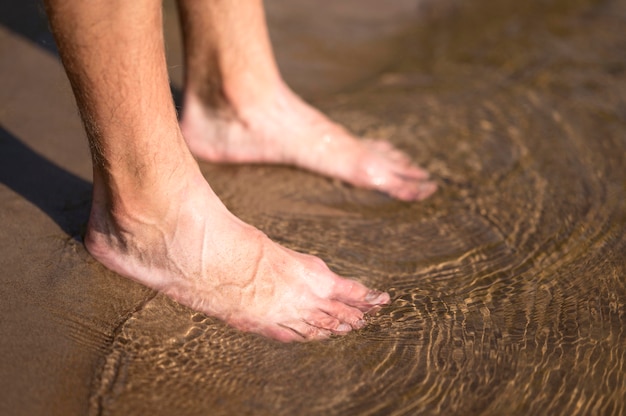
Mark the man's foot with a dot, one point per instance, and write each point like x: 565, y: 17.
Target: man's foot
x: 183, y: 242
x: 286, y: 130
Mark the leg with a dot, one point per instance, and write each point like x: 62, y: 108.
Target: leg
x: 238, y: 109
x: 154, y: 217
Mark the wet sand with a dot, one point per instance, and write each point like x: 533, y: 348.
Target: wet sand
x: 508, y: 285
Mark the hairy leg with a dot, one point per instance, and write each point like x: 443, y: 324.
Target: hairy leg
x: 238, y: 109
x: 154, y: 218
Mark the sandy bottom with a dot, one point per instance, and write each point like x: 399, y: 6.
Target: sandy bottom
x: 508, y: 286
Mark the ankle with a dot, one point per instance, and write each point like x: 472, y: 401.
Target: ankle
x: 235, y: 97
x: 254, y: 93
x: 145, y: 199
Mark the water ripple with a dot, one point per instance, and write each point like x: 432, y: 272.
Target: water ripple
x: 508, y: 288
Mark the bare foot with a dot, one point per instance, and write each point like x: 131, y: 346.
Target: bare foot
x: 286, y: 130
x: 184, y: 242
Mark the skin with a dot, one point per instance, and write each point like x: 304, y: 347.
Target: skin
x: 155, y: 219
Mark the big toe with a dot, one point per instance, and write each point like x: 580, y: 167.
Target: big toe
x: 357, y: 295
x: 411, y: 190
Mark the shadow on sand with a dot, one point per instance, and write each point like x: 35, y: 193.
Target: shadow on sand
x: 60, y: 194
x: 63, y: 196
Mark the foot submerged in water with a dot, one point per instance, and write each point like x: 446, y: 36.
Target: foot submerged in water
x: 286, y: 130
x: 183, y: 242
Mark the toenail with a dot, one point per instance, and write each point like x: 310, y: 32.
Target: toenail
x: 373, y: 295
x: 373, y: 309
x: 343, y: 328
x: 359, y: 324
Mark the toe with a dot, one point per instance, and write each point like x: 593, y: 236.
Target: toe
x: 409, y: 185
x: 410, y: 171
x: 306, y: 332
x: 381, y: 146
x: 323, y: 320
x: 427, y: 188
x: 281, y: 334
x: 344, y: 315
x: 353, y: 293
x: 347, y: 290
x: 411, y: 190
x: 396, y: 160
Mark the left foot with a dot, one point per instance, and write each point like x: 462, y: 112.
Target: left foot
x: 176, y: 236
x: 286, y: 130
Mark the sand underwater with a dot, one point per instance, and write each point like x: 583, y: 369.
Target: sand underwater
x: 508, y: 286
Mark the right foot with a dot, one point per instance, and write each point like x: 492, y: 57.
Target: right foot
x: 283, y: 129
x: 190, y: 247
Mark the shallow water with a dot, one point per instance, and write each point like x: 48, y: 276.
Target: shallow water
x: 508, y: 286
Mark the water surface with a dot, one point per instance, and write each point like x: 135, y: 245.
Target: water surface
x: 508, y: 285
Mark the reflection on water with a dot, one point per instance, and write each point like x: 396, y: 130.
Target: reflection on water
x: 508, y: 285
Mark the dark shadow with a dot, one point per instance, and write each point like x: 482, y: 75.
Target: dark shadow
x: 63, y: 196
x: 28, y: 19
x: 60, y: 194
x: 177, y: 96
